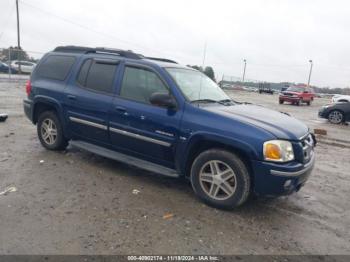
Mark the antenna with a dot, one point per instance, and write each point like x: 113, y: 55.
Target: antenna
x: 204, y: 55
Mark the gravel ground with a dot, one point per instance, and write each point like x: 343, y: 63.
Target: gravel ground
x: 78, y: 203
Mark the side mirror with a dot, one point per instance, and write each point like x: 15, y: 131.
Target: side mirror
x: 163, y: 100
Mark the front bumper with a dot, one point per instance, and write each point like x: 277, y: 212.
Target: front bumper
x: 289, y: 98
x: 322, y: 113
x: 273, y: 179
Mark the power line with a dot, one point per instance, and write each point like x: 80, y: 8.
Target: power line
x: 88, y: 28
x: 284, y: 66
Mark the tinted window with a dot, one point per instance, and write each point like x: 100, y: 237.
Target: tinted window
x: 81, y: 79
x: 139, y: 84
x: 56, y: 67
x: 100, y: 76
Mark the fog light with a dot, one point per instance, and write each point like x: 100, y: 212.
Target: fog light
x: 288, y: 183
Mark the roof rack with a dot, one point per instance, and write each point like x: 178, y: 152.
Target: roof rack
x: 103, y: 50
x: 161, y: 59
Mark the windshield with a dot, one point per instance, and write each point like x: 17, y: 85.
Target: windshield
x: 196, y: 85
x: 295, y: 89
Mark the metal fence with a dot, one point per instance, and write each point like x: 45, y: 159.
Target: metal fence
x: 235, y: 79
x: 15, y: 72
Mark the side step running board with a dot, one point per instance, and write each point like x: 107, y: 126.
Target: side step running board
x: 133, y: 161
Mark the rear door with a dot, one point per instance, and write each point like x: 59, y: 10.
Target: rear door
x: 136, y: 126
x: 88, y: 99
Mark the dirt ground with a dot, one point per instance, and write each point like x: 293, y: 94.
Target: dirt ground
x: 78, y: 203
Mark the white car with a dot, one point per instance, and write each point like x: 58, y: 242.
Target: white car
x: 340, y: 98
x: 26, y: 66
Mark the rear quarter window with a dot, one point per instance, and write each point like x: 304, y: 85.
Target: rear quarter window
x: 55, y: 67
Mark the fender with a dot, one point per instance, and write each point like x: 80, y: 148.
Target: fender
x: 41, y: 99
x: 185, y: 147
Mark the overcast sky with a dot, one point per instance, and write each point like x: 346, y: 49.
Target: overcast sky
x: 277, y: 37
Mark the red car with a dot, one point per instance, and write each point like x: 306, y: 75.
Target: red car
x: 297, y: 95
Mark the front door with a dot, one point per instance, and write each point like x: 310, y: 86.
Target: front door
x: 136, y: 126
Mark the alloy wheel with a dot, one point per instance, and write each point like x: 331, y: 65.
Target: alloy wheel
x: 335, y: 117
x: 217, y: 180
x: 49, y: 131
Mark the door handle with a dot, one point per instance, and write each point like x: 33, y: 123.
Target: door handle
x: 71, y: 97
x: 121, y: 110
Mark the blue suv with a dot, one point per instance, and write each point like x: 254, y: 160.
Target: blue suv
x: 166, y: 118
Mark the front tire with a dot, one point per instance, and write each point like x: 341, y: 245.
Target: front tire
x: 220, y: 179
x: 50, y: 132
x: 336, y: 117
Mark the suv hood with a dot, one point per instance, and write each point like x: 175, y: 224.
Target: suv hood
x: 279, y: 124
x: 290, y: 93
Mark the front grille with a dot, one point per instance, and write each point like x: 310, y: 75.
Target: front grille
x: 308, y: 148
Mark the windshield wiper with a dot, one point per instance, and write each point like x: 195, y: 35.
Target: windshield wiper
x: 225, y: 101
x: 204, y: 101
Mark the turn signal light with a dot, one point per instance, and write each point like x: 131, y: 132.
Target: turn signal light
x: 272, y: 152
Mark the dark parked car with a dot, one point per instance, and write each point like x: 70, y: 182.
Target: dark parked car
x: 265, y: 88
x: 167, y: 118
x: 336, y: 113
x: 4, y: 68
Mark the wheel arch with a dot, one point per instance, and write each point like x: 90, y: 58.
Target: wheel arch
x: 42, y: 104
x: 337, y: 109
x: 201, y: 143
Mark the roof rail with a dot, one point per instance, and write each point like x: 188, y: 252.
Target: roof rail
x: 161, y: 59
x: 103, y: 50
x: 72, y: 49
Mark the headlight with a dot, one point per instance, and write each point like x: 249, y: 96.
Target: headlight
x: 278, y: 151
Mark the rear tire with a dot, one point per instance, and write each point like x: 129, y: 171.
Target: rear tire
x: 220, y: 179
x: 50, y: 132
x: 281, y: 101
x: 297, y: 103
x: 308, y: 103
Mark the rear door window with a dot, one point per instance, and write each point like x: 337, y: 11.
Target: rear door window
x: 97, y: 75
x: 56, y: 67
x: 83, y: 72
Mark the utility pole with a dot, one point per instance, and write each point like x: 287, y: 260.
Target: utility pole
x: 311, y: 64
x: 10, y: 69
x: 18, y: 40
x: 222, y: 80
x: 245, y: 65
